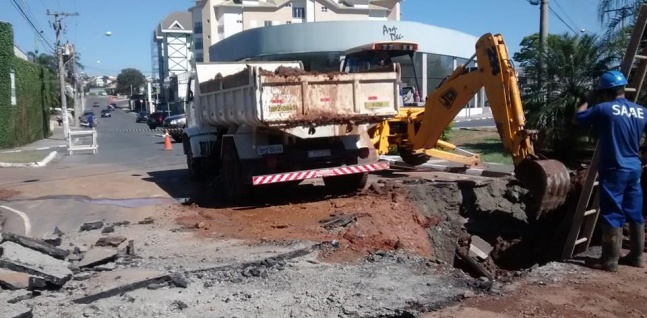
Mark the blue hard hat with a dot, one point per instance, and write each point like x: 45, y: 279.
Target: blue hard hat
x: 611, y: 79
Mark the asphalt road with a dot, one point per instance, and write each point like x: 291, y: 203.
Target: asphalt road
x: 124, y: 142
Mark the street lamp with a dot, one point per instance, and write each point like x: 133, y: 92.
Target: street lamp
x: 66, y: 123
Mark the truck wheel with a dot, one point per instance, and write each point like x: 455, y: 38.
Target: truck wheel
x: 235, y: 188
x: 346, y: 183
x: 194, y: 165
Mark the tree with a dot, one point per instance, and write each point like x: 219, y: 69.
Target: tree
x: 576, y: 62
x: 128, y: 78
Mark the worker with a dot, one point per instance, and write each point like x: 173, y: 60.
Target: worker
x: 620, y: 124
x: 91, y: 120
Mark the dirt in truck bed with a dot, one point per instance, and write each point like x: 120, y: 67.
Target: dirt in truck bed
x: 283, y: 71
x: 230, y: 81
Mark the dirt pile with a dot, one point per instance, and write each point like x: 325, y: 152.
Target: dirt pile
x: 286, y: 72
x: 230, y: 81
x: 361, y: 224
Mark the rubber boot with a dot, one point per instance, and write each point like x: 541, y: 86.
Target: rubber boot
x: 636, y: 246
x: 611, y: 246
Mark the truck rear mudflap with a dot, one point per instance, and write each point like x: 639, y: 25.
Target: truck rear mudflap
x: 318, y: 173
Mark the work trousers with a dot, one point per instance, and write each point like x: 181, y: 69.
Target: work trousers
x: 621, y: 197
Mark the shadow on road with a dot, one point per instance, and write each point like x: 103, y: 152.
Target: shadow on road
x: 209, y: 194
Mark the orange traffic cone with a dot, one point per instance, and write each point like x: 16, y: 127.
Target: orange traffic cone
x: 167, y: 141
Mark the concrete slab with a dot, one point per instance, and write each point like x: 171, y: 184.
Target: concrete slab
x: 19, y: 258
x: 97, y: 256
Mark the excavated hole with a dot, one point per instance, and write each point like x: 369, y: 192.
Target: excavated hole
x: 496, y: 211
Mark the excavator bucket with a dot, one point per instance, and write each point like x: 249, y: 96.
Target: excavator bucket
x: 547, y: 180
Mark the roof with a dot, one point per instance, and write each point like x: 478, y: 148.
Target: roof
x: 279, y: 39
x: 175, y: 21
x: 274, y: 4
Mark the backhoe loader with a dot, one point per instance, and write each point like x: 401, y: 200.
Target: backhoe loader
x: 416, y: 131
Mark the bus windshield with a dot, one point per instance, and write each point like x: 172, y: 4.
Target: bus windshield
x: 376, y: 55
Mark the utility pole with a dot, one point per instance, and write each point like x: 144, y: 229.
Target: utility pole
x: 77, y: 99
x: 58, y: 16
x: 543, y: 43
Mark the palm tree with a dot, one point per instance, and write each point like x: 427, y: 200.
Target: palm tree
x: 576, y: 63
x: 625, y: 12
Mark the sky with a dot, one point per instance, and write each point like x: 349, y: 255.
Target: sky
x: 132, y: 22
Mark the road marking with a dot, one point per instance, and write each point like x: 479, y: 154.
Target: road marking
x: 24, y: 217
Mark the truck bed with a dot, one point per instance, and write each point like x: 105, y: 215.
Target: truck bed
x: 282, y: 95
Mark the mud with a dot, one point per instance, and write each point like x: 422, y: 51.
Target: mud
x: 381, y: 223
x: 7, y: 193
x: 323, y: 118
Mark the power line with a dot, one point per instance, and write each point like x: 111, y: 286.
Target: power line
x: 31, y: 23
x: 560, y: 19
x: 566, y: 14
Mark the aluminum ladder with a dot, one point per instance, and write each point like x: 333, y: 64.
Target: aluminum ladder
x: 634, y: 66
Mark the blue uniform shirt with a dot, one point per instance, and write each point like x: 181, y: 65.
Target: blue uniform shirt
x: 620, y: 124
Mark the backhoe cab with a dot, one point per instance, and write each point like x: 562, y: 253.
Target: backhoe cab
x: 416, y: 131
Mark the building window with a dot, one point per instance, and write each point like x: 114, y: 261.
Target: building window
x: 289, y: 5
x: 197, y: 28
x: 239, y: 21
x: 298, y: 13
x: 199, y: 45
x: 288, y: 22
x: 268, y: 23
x: 199, y: 57
x: 324, y: 9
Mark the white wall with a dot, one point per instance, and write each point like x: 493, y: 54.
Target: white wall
x: 230, y: 19
x: 310, y: 10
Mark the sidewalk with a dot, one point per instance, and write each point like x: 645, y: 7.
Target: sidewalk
x: 54, y: 142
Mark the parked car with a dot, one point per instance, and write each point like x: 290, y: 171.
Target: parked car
x: 156, y: 119
x: 95, y: 104
x: 141, y: 116
x: 175, y: 125
x: 106, y: 113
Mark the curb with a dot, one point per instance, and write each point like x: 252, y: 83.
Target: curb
x: 470, y: 119
x: 41, y: 163
x: 29, y: 149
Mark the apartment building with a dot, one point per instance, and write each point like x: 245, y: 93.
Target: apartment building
x: 171, y: 45
x: 215, y: 20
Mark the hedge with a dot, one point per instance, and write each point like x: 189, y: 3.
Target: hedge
x: 28, y: 120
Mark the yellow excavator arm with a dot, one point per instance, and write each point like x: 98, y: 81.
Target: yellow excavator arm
x: 496, y: 75
x: 548, y: 180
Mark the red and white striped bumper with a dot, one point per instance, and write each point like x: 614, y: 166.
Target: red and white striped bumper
x: 317, y: 173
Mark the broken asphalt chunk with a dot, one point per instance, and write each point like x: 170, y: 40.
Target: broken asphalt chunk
x: 21, y: 259
x: 36, y: 245
x: 178, y: 280
x: 97, y: 256
x: 22, y: 295
x: 148, y: 220
x: 112, y: 241
x: 137, y: 279
x: 338, y: 221
x: 54, y: 237
x: 89, y: 226
x: 16, y: 311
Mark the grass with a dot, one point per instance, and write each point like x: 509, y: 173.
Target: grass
x: 485, y: 142
x: 25, y: 156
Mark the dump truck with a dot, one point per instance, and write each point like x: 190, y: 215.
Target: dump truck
x: 257, y: 124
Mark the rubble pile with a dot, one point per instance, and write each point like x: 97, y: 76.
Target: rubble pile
x: 29, y: 266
